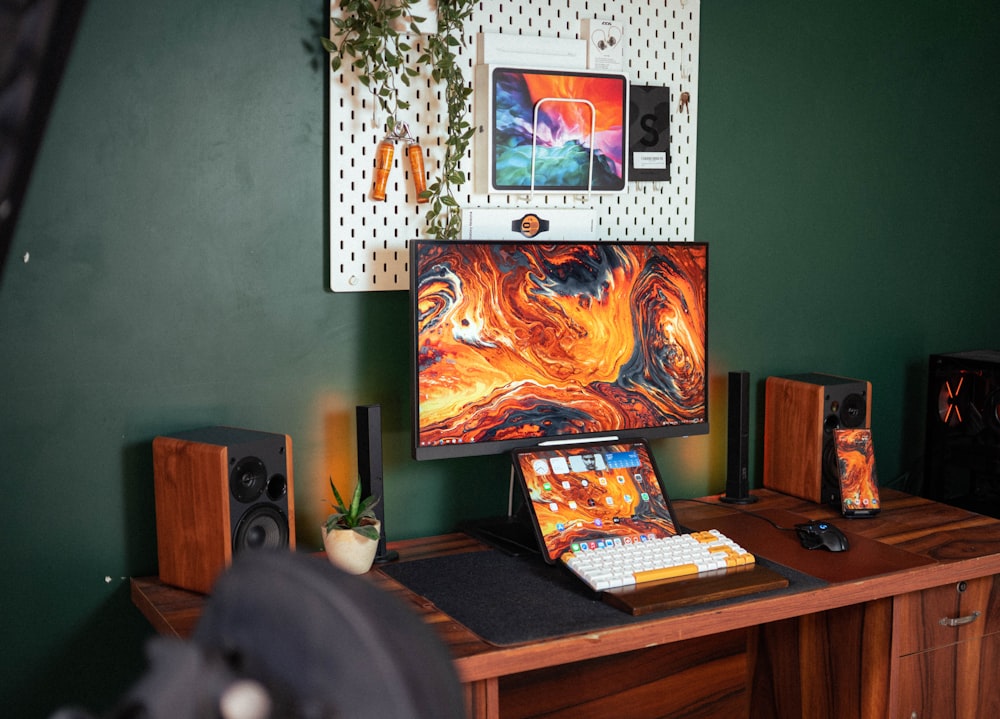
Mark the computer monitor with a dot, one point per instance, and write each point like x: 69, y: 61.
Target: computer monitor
x: 519, y: 343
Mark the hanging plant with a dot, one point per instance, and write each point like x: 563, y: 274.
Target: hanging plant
x: 366, y: 37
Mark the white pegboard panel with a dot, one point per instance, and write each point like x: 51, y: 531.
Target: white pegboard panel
x: 369, y: 239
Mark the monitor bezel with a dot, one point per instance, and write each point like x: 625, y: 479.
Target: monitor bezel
x: 496, y: 447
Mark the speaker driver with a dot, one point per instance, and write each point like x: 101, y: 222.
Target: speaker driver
x: 247, y: 480
x: 277, y: 487
x: 852, y: 411
x: 261, y: 527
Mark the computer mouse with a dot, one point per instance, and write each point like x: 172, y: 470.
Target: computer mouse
x: 821, y: 535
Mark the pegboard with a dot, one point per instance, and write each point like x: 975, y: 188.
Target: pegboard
x: 369, y: 239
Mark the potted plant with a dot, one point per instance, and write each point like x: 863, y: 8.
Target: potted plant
x: 351, y: 532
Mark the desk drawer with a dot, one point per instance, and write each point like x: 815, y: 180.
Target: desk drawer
x: 952, y: 682
x: 697, y: 678
x: 945, y: 615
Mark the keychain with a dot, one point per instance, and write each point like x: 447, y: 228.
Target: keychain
x: 383, y: 162
x: 416, y: 155
x: 685, y: 101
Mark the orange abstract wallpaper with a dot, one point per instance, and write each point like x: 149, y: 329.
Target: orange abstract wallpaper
x: 582, y: 496
x: 856, y: 465
x: 518, y: 340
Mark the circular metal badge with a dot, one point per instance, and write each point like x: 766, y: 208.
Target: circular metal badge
x: 530, y: 225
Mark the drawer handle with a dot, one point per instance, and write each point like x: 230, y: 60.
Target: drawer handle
x: 946, y: 622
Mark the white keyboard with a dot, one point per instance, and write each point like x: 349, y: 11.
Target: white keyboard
x: 612, y: 564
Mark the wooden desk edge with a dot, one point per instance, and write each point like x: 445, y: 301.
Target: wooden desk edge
x: 174, y: 612
x: 499, y: 661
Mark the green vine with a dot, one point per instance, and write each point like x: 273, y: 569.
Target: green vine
x: 366, y: 37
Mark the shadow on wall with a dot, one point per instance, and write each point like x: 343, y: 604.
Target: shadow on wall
x: 139, y: 507
x: 914, y: 414
x: 92, y: 666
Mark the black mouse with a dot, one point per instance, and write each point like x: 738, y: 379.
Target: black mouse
x: 822, y: 535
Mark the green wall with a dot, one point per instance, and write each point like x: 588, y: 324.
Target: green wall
x: 175, y: 230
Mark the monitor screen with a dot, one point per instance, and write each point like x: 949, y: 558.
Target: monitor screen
x: 520, y: 343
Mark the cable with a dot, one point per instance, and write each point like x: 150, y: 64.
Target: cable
x: 741, y: 511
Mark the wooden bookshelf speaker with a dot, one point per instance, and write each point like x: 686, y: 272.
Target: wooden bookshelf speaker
x: 800, y: 414
x: 219, y: 491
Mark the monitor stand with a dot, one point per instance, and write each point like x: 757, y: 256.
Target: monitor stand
x: 512, y: 534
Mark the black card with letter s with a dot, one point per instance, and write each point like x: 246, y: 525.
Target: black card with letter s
x: 649, y: 133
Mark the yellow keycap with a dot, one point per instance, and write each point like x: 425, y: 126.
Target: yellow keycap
x: 651, y: 575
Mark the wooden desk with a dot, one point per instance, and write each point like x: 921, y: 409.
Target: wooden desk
x: 860, y: 646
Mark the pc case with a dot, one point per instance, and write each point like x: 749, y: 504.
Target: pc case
x: 962, y: 439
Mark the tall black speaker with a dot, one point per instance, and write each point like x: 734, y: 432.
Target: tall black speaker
x: 219, y: 491
x: 738, y: 441
x: 370, y: 469
x: 962, y: 455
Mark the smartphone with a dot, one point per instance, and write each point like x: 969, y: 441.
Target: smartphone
x: 856, y: 472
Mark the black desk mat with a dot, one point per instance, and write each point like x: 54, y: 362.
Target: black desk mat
x: 508, y: 600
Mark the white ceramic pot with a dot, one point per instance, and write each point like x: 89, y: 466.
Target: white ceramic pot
x: 349, y: 550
